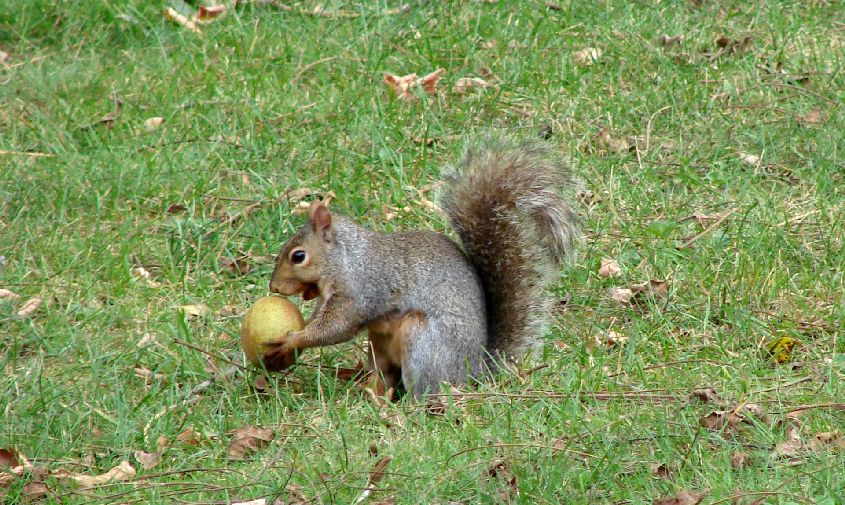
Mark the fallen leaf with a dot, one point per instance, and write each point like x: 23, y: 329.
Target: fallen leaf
x: 261, y: 385
x: 295, y: 496
x: 586, y: 56
x: 815, y: 116
x: 172, y: 15
x: 148, y: 375
x: 707, y: 395
x: 3, y: 56
x: 621, y: 295
x: 230, y: 310
x: 609, y: 268
x: 9, y: 458
x: 752, y: 160
x: 660, y: 470
x: 780, y: 350
x: 189, y: 436
x: 29, y: 306
x: 467, y: 84
x: 235, y: 266
x: 792, y: 447
x: 403, y: 86
x: 121, y: 472
x: 5, y: 294
x: 499, y: 469
x: 830, y: 439
x: 682, y: 497
x: 147, y: 340
x: 195, y: 310
x: 175, y: 208
x: 721, y: 420
x: 740, y: 460
x: 247, y: 440
x: 143, y: 274
x: 209, y: 13
x: 34, y: 490
x: 610, y: 339
x: 610, y: 143
x: 376, y: 474
x: 147, y: 460
x: 668, y: 41
x: 161, y: 443
x: 153, y: 123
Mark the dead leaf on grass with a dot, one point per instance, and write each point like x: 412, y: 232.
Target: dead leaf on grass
x: 143, y: 274
x: 586, y: 56
x: 467, y: 84
x: 622, y: 296
x: 740, y: 460
x: 206, y: 14
x: 35, y: 490
x: 726, y: 45
x: 153, y: 123
x: 660, y: 470
x: 6, y: 294
x: 498, y: 469
x: 682, y: 497
x: 3, y: 56
x: 147, y: 340
x: 668, y: 41
x: 654, y: 287
x: 609, y: 268
x: 9, y: 458
x: 610, y: 338
x: 235, y: 266
x: 376, y: 475
x: 792, y: 447
x: 148, y: 375
x: 248, y: 440
x: 813, y: 117
x: 707, y: 395
x: 729, y: 420
x: 189, y: 436
x: 261, y: 385
x: 752, y: 160
x: 609, y: 143
x: 195, y: 310
x: 827, y: 439
x: 29, y: 306
x: 147, y: 460
x: 403, y: 86
x: 172, y: 15
x: 121, y: 472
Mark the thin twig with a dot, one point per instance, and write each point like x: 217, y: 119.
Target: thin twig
x: 707, y: 230
x: 31, y: 154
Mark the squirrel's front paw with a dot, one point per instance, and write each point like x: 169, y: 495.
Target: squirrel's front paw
x: 281, y: 354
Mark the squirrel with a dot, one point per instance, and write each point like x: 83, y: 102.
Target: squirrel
x: 438, y: 311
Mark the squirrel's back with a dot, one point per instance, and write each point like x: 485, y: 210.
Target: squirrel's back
x: 506, y: 203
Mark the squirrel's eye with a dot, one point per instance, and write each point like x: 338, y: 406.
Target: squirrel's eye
x: 297, y: 256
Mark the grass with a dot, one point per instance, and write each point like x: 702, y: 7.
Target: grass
x: 267, y: 100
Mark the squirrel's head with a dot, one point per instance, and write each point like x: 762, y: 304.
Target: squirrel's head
x: 302, y: 260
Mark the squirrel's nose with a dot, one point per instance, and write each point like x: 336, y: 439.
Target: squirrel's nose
x: 275, y: 287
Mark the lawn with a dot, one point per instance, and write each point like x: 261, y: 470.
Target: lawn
x: 149, y: 174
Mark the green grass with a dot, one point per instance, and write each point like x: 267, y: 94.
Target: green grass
x: 267, y: 100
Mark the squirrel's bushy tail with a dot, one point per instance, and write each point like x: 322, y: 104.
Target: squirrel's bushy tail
x: 505, y: 203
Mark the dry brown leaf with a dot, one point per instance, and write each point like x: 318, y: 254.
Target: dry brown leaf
x: 609, y: 268
x: 707, y: 395
x: 143, y: 274
x: 148, y: 375
x: 6, y: 294
x: 3, y: 56
x: 831, y: 439
x: 721, y: 419
x: 660, y: 470
x: 682, y: 497
x: 667, y: 41
x: 740, y: 460
x: 295, y: 496
x: 813, y: 117
x: 153, y: 123
x: 792, y: 447
x: 248, y: 440
x: 403, y: 86
x: 207, y: 14
x: 656, y: 287
x: 175, y: 208
x: 121, y: 472
x: 752, y: 160
x: 147, y: 460
x: 610, y: 339
x: 162, y: 442
x: 147, y: 340
x: 499, y: 469
x: 467, y: 84
x: 234, y: 266
x: 607, y: 142
x: 230, y: 310
x: 621, y: 295
x: 34, y: 490
x: 195, y: 310
x: 172, y: 15
x: 261, y: 385
x: 586, y: 56
x: 29, y: 306
x: 189, y: 436
x: 9, y: 458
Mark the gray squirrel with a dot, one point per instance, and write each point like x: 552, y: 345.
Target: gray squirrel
x: 437, y: 311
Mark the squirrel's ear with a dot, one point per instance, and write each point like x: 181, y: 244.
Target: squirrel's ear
x: 321, y: 219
